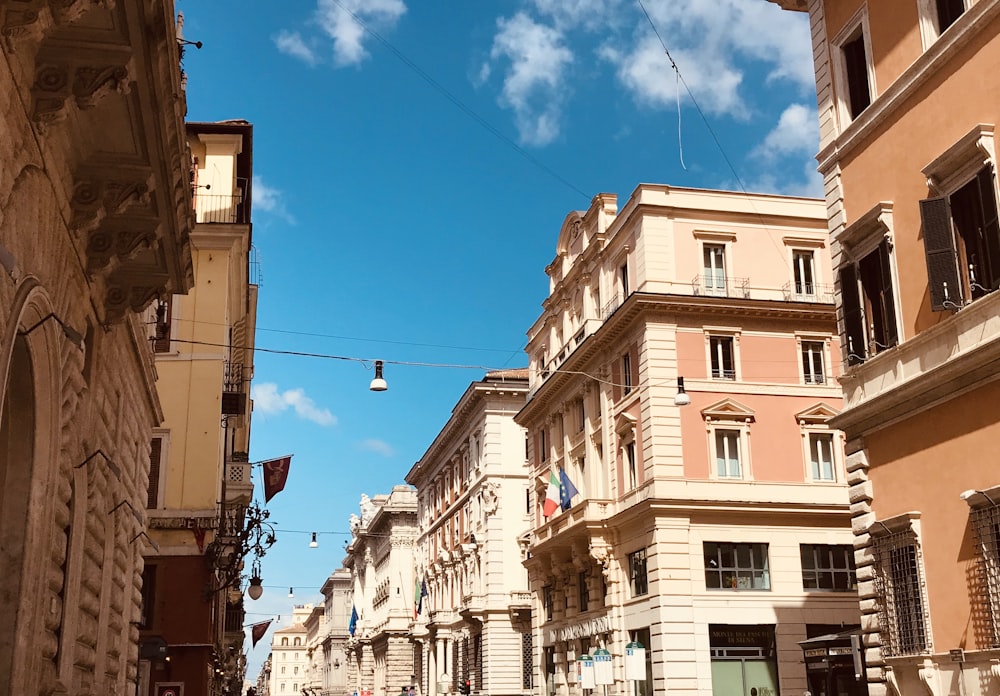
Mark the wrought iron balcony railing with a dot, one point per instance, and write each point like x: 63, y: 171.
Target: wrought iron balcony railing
x: 211, y: 208
x: 807, y: 292
x: 720, y: 286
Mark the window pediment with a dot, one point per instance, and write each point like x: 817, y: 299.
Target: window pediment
x: 961, y: 161
x: 728, y: 409
x: 817, y: 414
x: 624, y: 423
x: 867, y: 232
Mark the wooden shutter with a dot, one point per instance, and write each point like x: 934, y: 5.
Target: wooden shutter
x: 616, y: 379
x: 153, y: 493
x: 991, y: 229
x: 633, y: 353
x: 853, y: 328
x: 856, y: 63
x: 943, y: 280
x: 890, y: 335
x: 161, y: 341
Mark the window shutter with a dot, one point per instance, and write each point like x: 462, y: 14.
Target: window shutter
x: 991, y: 228
x: 853, y: 328
x: 888, y: 301
x: 633, y: 354
x: 161, y: 341
x: 153, y: 493
x: 942, y: 258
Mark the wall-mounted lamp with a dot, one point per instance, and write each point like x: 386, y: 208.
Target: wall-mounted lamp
x: 378, y: 384
x: 681, y: 398
x: 185, y: 42
x: 74, y: 336
x: 313, y: 544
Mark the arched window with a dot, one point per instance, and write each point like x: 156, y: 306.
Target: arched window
x: 298, y: 641
x: 284, y: 641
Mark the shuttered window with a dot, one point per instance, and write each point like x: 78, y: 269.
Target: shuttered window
x: 948, y: 11
x: 153, y: 493
x: 856, y: 64
x: 868, y: 305
x: 161, y: 339
x: 962, y: 243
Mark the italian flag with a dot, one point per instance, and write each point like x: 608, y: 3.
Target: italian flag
x: 551, y: 503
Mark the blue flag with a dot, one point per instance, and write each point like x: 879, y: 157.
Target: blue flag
x: 566, y: 490
x: 423, y: 593
x: 351, y: 627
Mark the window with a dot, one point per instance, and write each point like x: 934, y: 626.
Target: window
x: 802, y: 270
x: 813, y: 362
x: 984, y: 517
x: 284, y: 641
x: 297, y: 641
x: 548, y: 602
x: 641, y: 636
x: 714, y: 280
x: 821, y: 456
x: 869, y: 310
x: 544, y: 445
x: 962, y: 243
x: 581, y: 415
x: 856, y: 69
x: 727, y: 454
x: 720, y: 350
x: 828, y: 568
x: 948, y: 11
x: 295, y: 670
x: 282, y: 669
x: 633, y: 475
x: 899, y: 582
x: 155, y: 459
x: 638, y: 581
x: 626, y: 374
x: 736, y: 566
x: 148, y: 597
x: 623, y: 279
x: 584, y: 599
x: 161, y: 325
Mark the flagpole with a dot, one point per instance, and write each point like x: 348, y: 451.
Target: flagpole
x: 271, y: 459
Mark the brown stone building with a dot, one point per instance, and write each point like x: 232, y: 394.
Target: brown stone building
x: 95, y: 216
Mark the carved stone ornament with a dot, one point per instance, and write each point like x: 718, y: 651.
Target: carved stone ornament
x: 891, y: 681
x: 928, y: 674
x: 101, y: 194
x: 133, y: 292
x: 57, y: 82
x: 491, y: 498
x: 995, y: 669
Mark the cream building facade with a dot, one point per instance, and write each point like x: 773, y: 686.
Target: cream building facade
x: 315, y: 626
x: 710, y: 526
x: 908, y: 105
x: 473, y: 492
x: 379, y: 650
x: 337, y: 594
x: 289, y: 654
x: 94, y: 226
x: 203, y: 341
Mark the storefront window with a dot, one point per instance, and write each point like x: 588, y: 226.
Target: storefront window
x: 743, y: 659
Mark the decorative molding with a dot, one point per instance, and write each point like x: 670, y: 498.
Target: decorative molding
x: 928, y: 674
x: 56, y: 82
x: 891, y: 681
x: 960, y: 162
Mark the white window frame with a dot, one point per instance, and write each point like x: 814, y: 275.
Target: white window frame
x: 841, y: 88
x: 814, y: 421
x: 800, y: 340
x: 625, y: 427
x: 729, y: 415
x: 809, y: 290
x: 730, y: 437
x: 930, y: 31
x: 811, y: 440
x: 716, y: 238
x: 711, y: 332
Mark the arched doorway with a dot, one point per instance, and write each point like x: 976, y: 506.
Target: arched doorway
x: 17, y: 442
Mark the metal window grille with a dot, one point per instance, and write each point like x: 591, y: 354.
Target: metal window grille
x: 527, y: 661
x: 986, y: 527
x: 899, y: 585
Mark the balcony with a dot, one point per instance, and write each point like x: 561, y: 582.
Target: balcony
x: 807, y: 292
x: 610, y: 307
x: 219, y: 209
x: 720, y: 286
x: 239, y: 484
x: 234, y: 618
x: 234, y: 398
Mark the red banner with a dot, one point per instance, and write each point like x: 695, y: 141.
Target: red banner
x: 258, y: 630
x: 275, y: 475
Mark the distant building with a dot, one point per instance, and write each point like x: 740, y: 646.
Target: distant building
x: 909, y: 99
x: 337, y: 594
x: 379, y: 650
x: 709, y: 525
x: 315, y: 625
x: 95, y: 218
x: 289, y: 654
x: 470, y: 598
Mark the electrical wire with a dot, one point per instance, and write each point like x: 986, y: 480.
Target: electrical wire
x: 441, y: 89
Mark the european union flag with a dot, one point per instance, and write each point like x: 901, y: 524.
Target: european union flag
x: 351, y: 627
x: 566, y: 490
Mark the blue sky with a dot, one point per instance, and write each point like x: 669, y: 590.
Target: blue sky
x: 411, y: 177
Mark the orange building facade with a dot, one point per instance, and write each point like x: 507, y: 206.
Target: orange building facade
x: 909, y: 94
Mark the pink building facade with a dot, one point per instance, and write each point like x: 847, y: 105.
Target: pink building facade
x: 715, y: 533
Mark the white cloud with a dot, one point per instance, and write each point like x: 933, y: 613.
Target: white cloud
x: 267, y: 399
x: 348, y: 36
x: 787, y: 180
x: 292, y: 43
x: 378, y: 447
x: 589, y: 14
x: 712, y: 42
x: 534, y: 82
x: 797, y: 132
x: 269, y: 200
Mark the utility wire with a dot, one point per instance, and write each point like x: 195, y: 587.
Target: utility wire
x: 441, y: 89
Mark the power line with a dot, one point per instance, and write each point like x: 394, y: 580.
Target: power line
x: 441, y: 89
